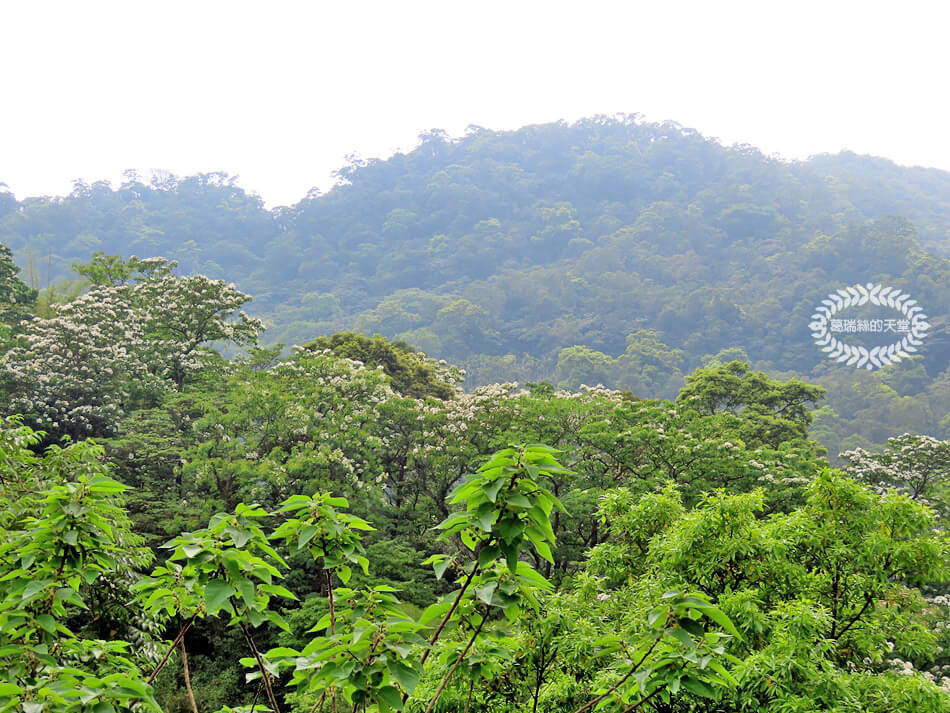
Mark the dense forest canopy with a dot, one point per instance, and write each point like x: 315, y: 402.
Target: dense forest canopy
x: 609, y: 251
x: 347, y: 528
x: 614, y: 493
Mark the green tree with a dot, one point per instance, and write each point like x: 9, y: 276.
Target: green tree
x: 121, y: 345
x: 16, y: 298
x: 775, y: 411
x: 823, y: 596
x: 411, y: 374
x: 916, y: 464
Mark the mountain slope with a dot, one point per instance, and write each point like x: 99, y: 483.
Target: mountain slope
x: 646, y: 246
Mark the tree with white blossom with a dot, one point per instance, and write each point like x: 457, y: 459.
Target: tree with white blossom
x: 183, y: 315
x: 916, y: 464
x: 919, y: 466
x: 121, y: 344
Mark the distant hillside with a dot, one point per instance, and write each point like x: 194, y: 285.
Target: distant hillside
x: 608, y: 250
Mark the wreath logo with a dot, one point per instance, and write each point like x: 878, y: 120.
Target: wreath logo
x: 915, y: 322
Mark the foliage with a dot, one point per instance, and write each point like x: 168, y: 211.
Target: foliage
x: 685, y: 555
x: 775, y: 412
x: 64, y: 535
x: 15, y: 297
x: 360, y: 529
x: 410, y: 373
x: 823, y: 596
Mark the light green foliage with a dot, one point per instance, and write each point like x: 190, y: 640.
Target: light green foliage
x: 364, y: 651
x: 367, y: 658
x: 633, y: 522
x: 371, y: 655
x: 228, y: 567
x: 326, y: 533
x: 506, y: 506
x: 580, y: 365
x: 823, y: 596
x: 678, y: 653
x: 64, y: 533
x: 376, y: 657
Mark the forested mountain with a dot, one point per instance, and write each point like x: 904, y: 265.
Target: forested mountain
x: 610, y: 250
x: 194, y: 521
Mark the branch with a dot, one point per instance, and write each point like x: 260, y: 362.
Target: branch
x: 867, y: 602
x: 451, y: 611
x: 184, y: 663
x: 332, y: 624
x: 330, y: 599
x: 319, y: 703
x: 643, y: 700
x: 260, y: 665
x: 622, y: 680
x: 181, y: 635
x: 257, y: 694
x: 458, y: 663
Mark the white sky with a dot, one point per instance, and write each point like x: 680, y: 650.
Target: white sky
x: 280, y: 92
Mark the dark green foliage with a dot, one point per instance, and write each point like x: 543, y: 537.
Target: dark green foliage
x: 409, y: 373
x: 16, y: 298
x: 774, y: 412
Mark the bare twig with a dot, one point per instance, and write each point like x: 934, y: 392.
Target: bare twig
x: 257, y: 694
x: 332, y: 625
x: 451, y: 611
x: 184, y: 665
x: 319, y: 703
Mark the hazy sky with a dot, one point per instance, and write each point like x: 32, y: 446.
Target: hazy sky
x: 280, y: 92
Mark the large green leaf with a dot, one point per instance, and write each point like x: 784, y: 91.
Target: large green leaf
x: 697, y: 687
x: 217, y: 593
x: 390, y: 696
x: 404, y: 675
